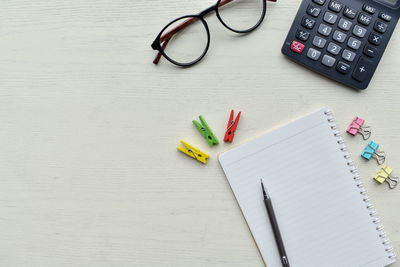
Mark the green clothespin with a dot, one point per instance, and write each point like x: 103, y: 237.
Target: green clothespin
x: 205, y: 131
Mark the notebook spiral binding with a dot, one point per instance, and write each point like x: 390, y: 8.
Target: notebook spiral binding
x: 363, y: 191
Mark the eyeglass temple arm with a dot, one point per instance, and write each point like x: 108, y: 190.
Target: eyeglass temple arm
x: 167, y: 36
x: 157, y: 59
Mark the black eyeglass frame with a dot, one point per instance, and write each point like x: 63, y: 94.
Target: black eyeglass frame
x: 156, y: 45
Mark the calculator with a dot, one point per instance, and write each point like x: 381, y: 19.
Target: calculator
x: 343, y: 40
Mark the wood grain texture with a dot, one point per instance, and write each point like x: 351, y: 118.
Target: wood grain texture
x: 90, y: 174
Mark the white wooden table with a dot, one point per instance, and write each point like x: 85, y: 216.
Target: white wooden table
x: 90, y: 174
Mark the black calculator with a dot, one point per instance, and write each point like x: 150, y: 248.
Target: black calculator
x: 343, y: 40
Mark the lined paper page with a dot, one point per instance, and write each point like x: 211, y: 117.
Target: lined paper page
x: 320, y: 211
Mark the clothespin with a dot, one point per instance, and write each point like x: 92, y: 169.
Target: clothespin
x: 384, y: 175
x: 357, y: 126
x: 231, y: 128
x: 205, y: 131
x: 193, y: 152
x: 371, y: 151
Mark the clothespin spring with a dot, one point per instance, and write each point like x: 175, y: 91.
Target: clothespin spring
x: 232, y: 123
x: 194, y: 154
x: 205, y: 133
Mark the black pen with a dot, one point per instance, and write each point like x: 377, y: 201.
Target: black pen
x: 275, y: 228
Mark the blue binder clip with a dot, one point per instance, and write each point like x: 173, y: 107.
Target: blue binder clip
x: 371, y: 151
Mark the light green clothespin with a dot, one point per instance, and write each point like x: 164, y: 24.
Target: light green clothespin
x: 205, y: 131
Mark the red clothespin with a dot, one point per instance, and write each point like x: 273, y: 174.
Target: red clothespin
x: 231, y: 128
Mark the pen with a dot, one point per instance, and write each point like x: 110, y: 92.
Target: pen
x: 275, y: 228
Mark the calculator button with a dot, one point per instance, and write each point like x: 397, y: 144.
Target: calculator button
x: 328, y: 61
x: 319, y: 42
x: 324, y: 30
x: 319, y: 2
x: 350, y: 12
x: 348, y: 55
x: 343, y: 67
x: 313, y: 54
x: 330, y: 17
x: 339, y: 36
x: 354, y: 43
x: 362, y: 69
x: 367, y: 8
x: 302, y: 35
x: 312, y: 10
x: 380, y: 26
x: 344, y: 24
x: 375, y: 39
x: 334, y: 49
x: 370, y: 51
x: 359, y: 31
x: 385, y: 16
x: 308, y: 23
x: 335, y: 6
x: 364, y: 19
x: 297, y: 47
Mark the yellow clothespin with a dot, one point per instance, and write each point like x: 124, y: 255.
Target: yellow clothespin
x: 194, y: 152
x: 384, y: 175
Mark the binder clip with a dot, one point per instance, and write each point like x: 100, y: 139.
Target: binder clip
x: 231, y: 128
x: 193, y: 152
x: 371, y: 151
x: 357, y: 127
x: 205, y: 131
x: 384, y: 175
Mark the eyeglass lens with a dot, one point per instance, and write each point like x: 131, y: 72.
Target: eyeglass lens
x: 187, y: 44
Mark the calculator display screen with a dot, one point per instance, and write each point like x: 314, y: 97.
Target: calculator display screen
x: 390, y: 2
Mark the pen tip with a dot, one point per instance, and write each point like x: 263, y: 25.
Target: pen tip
x: 265, y: 192
x: 263, y: 189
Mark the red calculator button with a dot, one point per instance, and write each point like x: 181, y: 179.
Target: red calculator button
x: 297, y: 47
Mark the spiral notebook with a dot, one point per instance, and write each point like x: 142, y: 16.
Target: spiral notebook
x: 324, y: 214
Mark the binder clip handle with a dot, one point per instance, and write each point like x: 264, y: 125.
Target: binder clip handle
x: 380, y: 157
x: 365, y: 132
x: 392, y: 181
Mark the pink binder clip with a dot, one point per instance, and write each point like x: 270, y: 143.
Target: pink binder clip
x: 357, y: 127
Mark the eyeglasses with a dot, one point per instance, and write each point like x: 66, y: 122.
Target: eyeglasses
x: 185, y: 40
